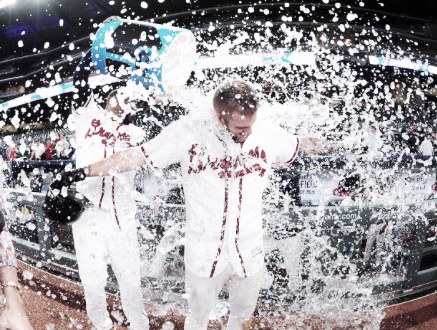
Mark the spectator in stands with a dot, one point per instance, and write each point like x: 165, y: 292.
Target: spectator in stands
x: 49, y: 149
x: 426, y: 148
x: 47, y: 178
x: 368, y: 191
x: 390, y: 183
x: 373, y: 140
x: 412, y: 141
x: 38, y: 150
x: 59, y: 138
x: 22, y: 179
x: 3, y: 150
x: 14, y: 315
x: 362, y: 193
x: 24, y: 148
x: 11, y: 153
x: 62, y: 147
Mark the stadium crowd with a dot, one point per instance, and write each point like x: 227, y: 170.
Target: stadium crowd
x: 35, y: 147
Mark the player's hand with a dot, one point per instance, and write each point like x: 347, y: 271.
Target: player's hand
x: 156, y: 204
x: 65, y: 179
x: 111, y: 18
x: 163, y: 99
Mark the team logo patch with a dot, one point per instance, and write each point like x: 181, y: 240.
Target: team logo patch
x: 245, y: 163
x: 108, y: 138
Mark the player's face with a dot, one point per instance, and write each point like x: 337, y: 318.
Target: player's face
x: 121, y: 106
x: 239, y: 125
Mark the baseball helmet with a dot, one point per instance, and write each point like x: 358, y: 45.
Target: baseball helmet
x: 65, y: 209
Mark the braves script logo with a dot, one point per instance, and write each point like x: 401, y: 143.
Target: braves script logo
x: 227, y: 167
x: 108, y: 137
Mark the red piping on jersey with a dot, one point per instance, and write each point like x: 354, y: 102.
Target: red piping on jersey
x: 103, y: 185
x: 113, y: 191
x: 113, y: 201
x: 147, y: 157
x: 88, y: 102
x: 222, y: 236
x: 237, y: 230
x: 295, y: 153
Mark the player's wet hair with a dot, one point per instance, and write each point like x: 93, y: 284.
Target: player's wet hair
x: 236, y: 94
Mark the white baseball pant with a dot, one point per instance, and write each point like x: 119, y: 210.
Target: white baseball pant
x: 98, y: 241
x: 202, y: 294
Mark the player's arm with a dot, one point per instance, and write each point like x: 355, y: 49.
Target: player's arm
x: 310, y: 146
x: 119, y: 162
x: 164, y: 148
x: 111, y: 18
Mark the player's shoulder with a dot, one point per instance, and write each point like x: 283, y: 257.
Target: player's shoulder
x: 266, y: 126
x: 186, y: 123
x: 91, y: 111
x: 272, y: 136
x: 131, y: 129
x: 270, y: 129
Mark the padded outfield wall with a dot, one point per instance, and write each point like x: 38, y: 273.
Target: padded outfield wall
x: 386, y: 245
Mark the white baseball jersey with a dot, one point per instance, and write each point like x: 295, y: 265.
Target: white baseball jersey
x: 223, y: 183
x: 98, y: 136
x: 107, y: 233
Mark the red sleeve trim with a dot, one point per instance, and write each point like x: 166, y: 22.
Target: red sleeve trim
x: 295, y: 152
x: 147, y: 157
x: 144, y: 152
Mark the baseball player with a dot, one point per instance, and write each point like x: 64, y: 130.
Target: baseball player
x: 107, y: 233
x: 225, y: 161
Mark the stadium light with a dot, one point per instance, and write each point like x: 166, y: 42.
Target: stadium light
x: 4, y: 3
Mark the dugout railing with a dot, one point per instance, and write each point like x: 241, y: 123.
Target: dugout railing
x: 344, y: 229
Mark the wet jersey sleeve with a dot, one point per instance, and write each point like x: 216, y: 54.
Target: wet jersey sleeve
x: 7, y: 252
x: 285, y: 146
x: 167, y: 147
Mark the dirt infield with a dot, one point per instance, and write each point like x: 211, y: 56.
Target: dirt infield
x: 54, y: 303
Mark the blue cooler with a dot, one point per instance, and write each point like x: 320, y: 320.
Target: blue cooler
x: 150, y: 54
